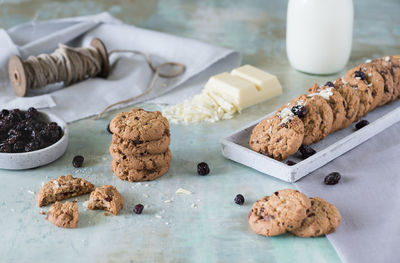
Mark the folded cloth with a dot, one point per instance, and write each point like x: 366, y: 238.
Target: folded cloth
x: 367, y: 197
x: 130, y: 74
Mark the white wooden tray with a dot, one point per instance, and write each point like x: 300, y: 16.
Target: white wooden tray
x: 236, y: 145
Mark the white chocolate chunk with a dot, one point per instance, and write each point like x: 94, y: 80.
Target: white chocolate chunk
x: 235, y: 90
x: 226, y: 94
x: 267, y: 85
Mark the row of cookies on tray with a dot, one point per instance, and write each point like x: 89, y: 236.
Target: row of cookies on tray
x: 310, y: 117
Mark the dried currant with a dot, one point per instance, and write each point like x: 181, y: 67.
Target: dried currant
x: 332, y: 178
x: 299, y: 110
x: 77, y: 161
x: 361, y: 124
x: 203, y: 169
x: 239, y: 199
x: 306, y: 151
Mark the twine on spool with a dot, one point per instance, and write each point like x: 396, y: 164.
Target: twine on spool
x: 70, y: 65
x: 66, y: 64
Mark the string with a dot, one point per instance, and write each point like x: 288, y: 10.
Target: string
x: 156, y: 72
x: 65, y: 64
x: 70, y: 65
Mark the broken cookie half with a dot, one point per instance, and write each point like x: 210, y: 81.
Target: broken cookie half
x: 106, y: 198
x: 63, y: 187
x: 63, y: 214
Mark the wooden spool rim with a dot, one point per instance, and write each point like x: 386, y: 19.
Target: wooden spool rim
x: 99, y: 45
x: 17, y: 75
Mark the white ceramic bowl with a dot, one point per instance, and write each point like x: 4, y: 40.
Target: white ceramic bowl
x: 27, y: 160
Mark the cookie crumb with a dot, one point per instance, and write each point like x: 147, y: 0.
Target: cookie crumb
x: 42, y: 212
x: 183, y: 191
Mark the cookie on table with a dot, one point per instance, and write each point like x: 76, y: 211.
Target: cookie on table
x: 352, y: 101
x: 283, y: 211
x: 335, y: 100
x: 140, y: 125
x: 318, y: 118
x: 374, y: 81
x: 141, y: 148
x: 393, y: 63
x: 145, y: 162
x: 278, y: 136
x: 106, y: 198
x: 133, y: 175
x: 322, y: 218
x: 63, y: 187
x: 63, y: 214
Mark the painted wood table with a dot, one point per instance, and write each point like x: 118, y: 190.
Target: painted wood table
x: 206, y: 226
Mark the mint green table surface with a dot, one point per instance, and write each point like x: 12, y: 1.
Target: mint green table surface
x: 206, y: 226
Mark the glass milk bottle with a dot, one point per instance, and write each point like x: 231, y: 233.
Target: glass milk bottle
x: 319, y: 35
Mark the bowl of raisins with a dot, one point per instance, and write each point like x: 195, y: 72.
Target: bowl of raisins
x: 30, y: 138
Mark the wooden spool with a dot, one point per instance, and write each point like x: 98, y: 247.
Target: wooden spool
x: 17, y: 73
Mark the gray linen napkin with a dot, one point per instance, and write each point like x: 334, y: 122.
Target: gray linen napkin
x: 368, y: 198
x: 130, y: 75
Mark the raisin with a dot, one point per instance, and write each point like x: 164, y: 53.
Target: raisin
x: 329, y: 84
x: 239, y: 199
x: 359, y: 74
x: 108, y: 129
x: 306, y: 151
x: 332, y: 178
x: 203, y: 169
x: 299, y: 110
x: 361, y: 124
x: 290, y: 162
x: 31, y: 113
x: 5, y: 148
x: 78, y: 161
x: 138, y: 209
x: 19, y: 146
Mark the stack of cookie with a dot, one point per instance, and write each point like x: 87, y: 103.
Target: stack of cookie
x: 140, y: 145
x: 325, y: 109
x: 289, y: 210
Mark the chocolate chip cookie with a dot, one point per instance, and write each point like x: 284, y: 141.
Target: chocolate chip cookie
x: 63, y: 214
x: 352, y: 101
x: 318, y: 118
x: 365, y: 95
x: 374, y: 81
x: 283, y: 211
x: 278, y: 136
x: 335, y: 100
x: 140, y: 125
x: 322, y: 219
x: 392, y: 63
x: 133, y: 175
x: 145, y: 162
x: 106, y: 198
x: 63, y: 187
x: 141, y: 148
